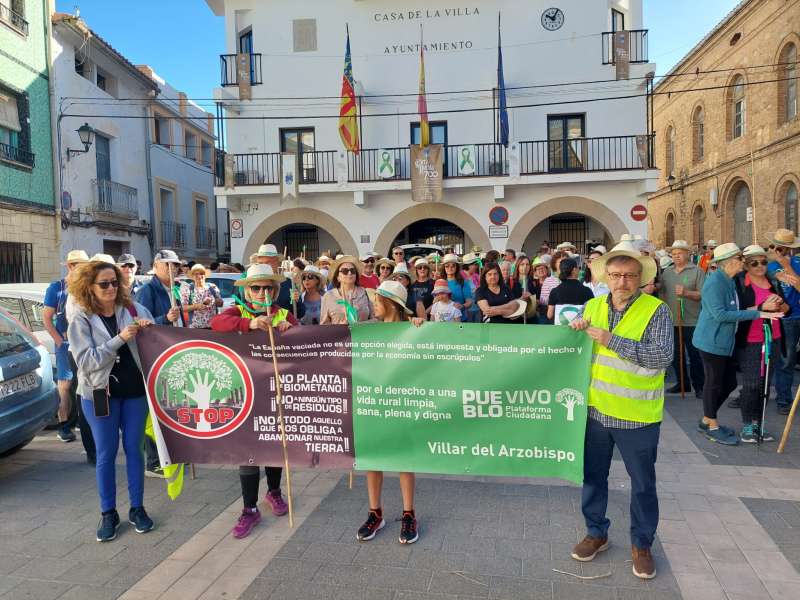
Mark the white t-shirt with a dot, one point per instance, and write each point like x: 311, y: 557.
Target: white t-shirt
x: 444, y: 311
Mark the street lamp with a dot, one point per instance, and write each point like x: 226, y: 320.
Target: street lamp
x: 86, y: 135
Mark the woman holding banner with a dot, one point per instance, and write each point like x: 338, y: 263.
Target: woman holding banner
x: 390, y: 307
x: 259, y: 311
x: 495, y: 299
x: 570, y: 291
x: 346, y: 302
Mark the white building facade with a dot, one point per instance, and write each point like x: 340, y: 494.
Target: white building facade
x: 576, y: 166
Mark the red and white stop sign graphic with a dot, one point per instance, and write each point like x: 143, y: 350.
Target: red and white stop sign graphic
x: 639, y: 212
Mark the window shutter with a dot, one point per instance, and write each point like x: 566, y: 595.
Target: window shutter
x: 9, y: 113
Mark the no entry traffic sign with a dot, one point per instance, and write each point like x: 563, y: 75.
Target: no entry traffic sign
x: 498, y: 215
x: 639, y: 212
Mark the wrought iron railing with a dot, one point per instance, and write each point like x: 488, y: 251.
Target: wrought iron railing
x: 638, y: 50
x: 173, y: 235
x: 476, y: 160
x: 13, y: 153
x: 615, y: 153
x: 229, y: 72
x: 115, y: 199
x: 11, y: 17
x: 205, y: 237
x: 384, y: 164
x: 318, y: 166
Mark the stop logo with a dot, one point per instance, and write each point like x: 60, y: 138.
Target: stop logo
x: 639, y: 212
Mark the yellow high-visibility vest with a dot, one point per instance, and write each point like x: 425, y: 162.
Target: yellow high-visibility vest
x: 278, y: 317
x: 620, y: 388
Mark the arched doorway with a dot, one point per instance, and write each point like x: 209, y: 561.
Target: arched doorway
x: 575, y: 228
x: 740, y: 208
x: 306, y: 239
x: 669, y: 230
x: 434, y: 231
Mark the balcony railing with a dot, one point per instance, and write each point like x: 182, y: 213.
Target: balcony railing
x: 115, y: 199
x: 638, y: 46
x: 205, y: 237
x: 10, y: 17
x: 229, y: 72
x: 17, y: 155
x: 173, y: 235
x: 614, y: 153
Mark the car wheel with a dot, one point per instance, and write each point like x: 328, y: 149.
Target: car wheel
x: 16, y: 448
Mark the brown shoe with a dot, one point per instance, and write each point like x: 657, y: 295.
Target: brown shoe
x: 644, y: 567
x: 589, y: 547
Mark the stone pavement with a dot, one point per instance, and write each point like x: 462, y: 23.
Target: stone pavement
x: 727, y: 531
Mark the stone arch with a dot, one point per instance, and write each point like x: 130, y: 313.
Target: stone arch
x: 731, y: 226
x: 431, y: 210
x: 282, y: 218
x: 781, y: 190
x: 566, y: 204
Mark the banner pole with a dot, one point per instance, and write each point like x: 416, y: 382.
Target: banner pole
x: 279, y: 402
x: 680, y: 351
x: 789, y: 421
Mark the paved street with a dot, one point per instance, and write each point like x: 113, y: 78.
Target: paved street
x: 728, y: 530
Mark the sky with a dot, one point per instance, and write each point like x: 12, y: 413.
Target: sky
x: 184, y: 43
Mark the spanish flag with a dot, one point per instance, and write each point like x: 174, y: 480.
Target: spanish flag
x: 348, y: 114
x: 422, y: 103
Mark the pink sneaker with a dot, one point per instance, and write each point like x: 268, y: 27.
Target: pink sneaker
x: 275, y: 500
x: 247, y: 520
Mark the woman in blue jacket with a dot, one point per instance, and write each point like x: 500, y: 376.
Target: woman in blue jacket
x: 715, y: 336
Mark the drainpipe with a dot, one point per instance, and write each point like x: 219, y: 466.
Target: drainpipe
x: 48, y: 9
x: 152, y: 211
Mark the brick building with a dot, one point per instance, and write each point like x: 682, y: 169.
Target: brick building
x: 730, y: 156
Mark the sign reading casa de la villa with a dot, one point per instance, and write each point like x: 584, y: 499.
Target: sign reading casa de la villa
x: 428, y: 13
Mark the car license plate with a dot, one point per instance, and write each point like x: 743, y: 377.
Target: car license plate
x: 23, y: 383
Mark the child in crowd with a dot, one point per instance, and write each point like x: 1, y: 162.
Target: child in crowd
x: 443, y: 308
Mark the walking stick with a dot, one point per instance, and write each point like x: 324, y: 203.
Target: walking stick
x: 788, y: 427
x: 680, y: 349
x: 281, y: 424
x: 766, y: 351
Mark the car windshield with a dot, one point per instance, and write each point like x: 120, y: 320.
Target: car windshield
x: 13, y: 339
x: 226, y: 286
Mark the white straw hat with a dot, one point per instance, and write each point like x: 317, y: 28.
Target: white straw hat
x: 624, y: 248
x: 259, y: 273
x: 396, y: 292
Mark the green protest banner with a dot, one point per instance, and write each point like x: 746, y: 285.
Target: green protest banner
x: 477, y: 399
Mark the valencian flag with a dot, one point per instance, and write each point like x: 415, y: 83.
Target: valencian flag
x: 348, y: 115
x: 501, y: 90
x: 422, y: 103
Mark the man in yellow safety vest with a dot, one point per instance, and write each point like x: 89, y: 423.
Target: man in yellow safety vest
x: 633, y: 340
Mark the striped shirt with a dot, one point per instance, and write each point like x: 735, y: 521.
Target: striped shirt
x: 653, y: 351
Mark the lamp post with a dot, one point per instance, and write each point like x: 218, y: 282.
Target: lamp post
x: 86, y: 135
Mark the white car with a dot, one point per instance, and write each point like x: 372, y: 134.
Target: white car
x: 25, y: 302
x: 225, y: 282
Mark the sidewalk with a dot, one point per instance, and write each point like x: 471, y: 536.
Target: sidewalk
x: 726, y: 532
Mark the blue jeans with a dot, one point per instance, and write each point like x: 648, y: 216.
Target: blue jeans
x: 784, y: 374
x: 128, y: 415
x: 63, y: 366
x: 638, y: 449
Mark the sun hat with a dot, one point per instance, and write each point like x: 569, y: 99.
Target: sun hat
x: 324, y: 258
x: 469, y: 258
x: 565, y: 245
x: 126, y: 259
x: 267, y: 250
x: 312, y: 270
x: 441, y: 287
x: 783, y: 237
x: 259, y: 273
x: 680, y: 245
x: 103, y: 258
x: 346, y: 258
x: 754, y: 250
x: 522, y: 305
x: 384, y: 261
x: 450, y: 258
x: 199, y: 267
x: 167, y: 256
x: 368, y: 255
x: 402, y: 269
x: 666, y: 262
x: 599, y: 249
x: 711, y: 244
x: 396, y: 292
x: 624, y: 248
x: 76, y: 256
x: 725, y: 251
x: 422, y: 263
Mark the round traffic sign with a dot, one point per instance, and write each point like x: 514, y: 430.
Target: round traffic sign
x: 498, y: 215
x: 639, y: 212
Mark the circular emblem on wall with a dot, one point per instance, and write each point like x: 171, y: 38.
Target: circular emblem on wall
x: 201, y: 389
x: 552, y: 19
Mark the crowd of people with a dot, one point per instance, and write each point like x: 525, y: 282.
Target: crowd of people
x: 703, y: 316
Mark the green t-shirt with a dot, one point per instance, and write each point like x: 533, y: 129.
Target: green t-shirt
x: 691, y: 278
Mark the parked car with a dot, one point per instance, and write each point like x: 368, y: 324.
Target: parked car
x: 413, y: 250
x: 25, y: 302
x: 225, y: 282
x: 28, y: 395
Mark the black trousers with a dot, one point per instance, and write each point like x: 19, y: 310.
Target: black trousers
x: 249, y: 476
x: 720, y: 375
x: 751, y: 397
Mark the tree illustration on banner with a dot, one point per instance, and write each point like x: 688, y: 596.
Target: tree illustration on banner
x: 570, y: 398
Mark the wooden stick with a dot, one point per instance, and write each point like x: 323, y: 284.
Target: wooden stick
x: 281, y: 424
x: 191, y: 471
x: 680, y: 351
x: 789, y: 420
x: 351, y: 479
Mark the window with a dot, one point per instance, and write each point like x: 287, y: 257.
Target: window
x: 790, y: 206
x: 15, y: 129
x: 190, y: 145
x: 617, y: 20
x: 102, y: 149
x: 106, y: 83
x: 742, y: 216
x: 161, y: 133
x: 438, y: 130
x: 669, y: 152
x: 737, y: 108
x: 698, y: 226
x: 206, y: 153
x: 301, y: 142
x: 14, y: 15
x: 82, y: 66
x: 566, y: 149
x: 16, y: 262
x: 669, y: 234
x: 787, y: 84
x: 698, y: 134
x: 167, y: 203
x: 10, y: 125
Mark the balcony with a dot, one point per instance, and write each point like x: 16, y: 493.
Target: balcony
x: 638, y: 47
x: 173, y: 235
x: 13, y: 19
x: 205, y: 238
x: 114, y: 199
x: 615, y: 153
x: 229, y: 73
x: 17, y: 155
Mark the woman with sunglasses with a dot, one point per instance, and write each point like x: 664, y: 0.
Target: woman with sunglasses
x: 102, y: 337
x: 384, y: 267
x: 261, y: 288
x: 755, y: 288
x: 313, y: 281
x: 347, y: 302
x: 389, y: 306
x: 462, y: 292
x: 421, y: 291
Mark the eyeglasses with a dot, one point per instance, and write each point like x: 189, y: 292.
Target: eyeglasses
x: 386, y: 267
x: 369, y: 261
x: 625, y: 276
x: 347, y: 271
x: 426, y: 267
x: 256, y: 289
x: 104, y: 285
x: 309, y: 277
x: 454, y: 265
x: 127, y: 266
x: 757, y: 263
x: 397, y: 253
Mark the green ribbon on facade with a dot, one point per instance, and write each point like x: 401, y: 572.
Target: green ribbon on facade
x: 466, y: 159
x: 386, y: 163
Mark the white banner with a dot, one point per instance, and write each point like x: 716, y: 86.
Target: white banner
x: 289, y: 188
